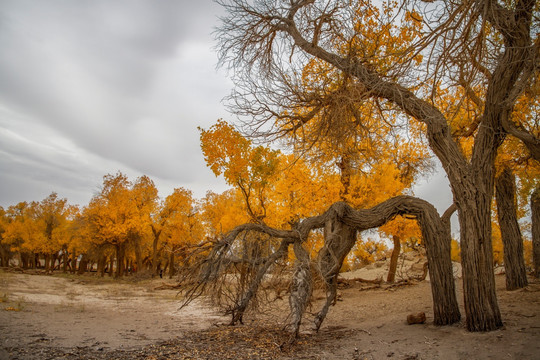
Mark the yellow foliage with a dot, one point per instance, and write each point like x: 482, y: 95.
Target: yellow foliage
x: 455, y: 251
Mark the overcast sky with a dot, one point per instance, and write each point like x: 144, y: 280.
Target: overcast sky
x: 92, y: 87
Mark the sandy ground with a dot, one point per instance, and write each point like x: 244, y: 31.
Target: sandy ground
x: 70, y: 317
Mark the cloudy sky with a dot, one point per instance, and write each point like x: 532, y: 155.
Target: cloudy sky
x: 94, y: 87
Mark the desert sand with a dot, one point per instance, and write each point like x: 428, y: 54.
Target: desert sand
x: 74, y: 317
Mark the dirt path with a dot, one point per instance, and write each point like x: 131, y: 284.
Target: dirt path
x: 85, y: 318
x: 103, y: 314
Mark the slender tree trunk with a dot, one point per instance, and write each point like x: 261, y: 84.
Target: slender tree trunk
x: 157, y: 234
x: 102, y: 260
x: 47, y: 262
x: 394, y: 259
x: 73, y: 262
x: 120, y: 254
x: 111, y: 265
x: 301, y: 286
x: 65, y: 260
x: 83, y: 264
x: 514, y: 263
x: 138, y: 253
x: 4, y: 259
x: 535, y: 217
x: 172, y: 269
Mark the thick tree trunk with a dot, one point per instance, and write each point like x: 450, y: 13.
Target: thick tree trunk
x: 437, y: 240
x: 120, y: 254
x: 339, y: 239
x: 535, y: 217
x: 480, y: 299
x: 394, y: 259
x: 514, y: 263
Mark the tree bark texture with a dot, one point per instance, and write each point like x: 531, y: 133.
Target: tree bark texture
x: 339, y: 238
x: 480, y: 300
x: 394, y: 259
x: 514, y: 262
x: 535, y: 217
x: 471, y: 180
x: 301, y: 286
x: 341, y: 222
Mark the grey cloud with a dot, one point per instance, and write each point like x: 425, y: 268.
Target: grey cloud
x: 118, y: 79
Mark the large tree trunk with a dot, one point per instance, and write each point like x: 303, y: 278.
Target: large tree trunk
x: 514, y: 263
x: 339, y: 239
x: 480, y: 299
x: 394, y: 259
x: 535, y: 215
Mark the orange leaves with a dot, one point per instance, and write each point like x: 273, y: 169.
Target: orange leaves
x: 251, y: 169
x: 121, y: 208
x: 38, y: 226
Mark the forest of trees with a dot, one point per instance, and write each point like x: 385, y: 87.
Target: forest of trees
x: 343, y: 106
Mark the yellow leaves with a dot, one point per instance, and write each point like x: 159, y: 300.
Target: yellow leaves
x: 223, y: 212
x: 121, y: 208
x: 251, y: 169
x: 455, y: 251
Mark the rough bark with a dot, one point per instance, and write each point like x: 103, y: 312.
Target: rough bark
x: 480, y: 300
x: 248, y: 41
x: 339, y: 238
x: 394, y: 259
x: 535, y: 217
x: 301, y: 286
x: 514, y: 262
x: 337, y: 218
